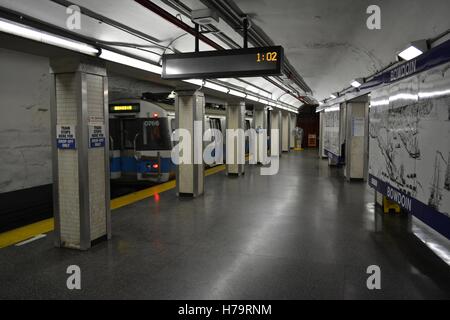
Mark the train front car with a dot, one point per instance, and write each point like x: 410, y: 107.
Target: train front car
x: 141, y: 131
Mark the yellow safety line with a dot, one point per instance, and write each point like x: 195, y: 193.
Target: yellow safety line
x: 24, y: 233
x: 21, y: 234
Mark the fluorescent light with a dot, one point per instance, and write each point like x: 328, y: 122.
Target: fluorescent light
x: 196, y: 82
x: 132, y: 62
x: 216, y: 87
x: 414, y: 50
x: 263, y: 101
x: 332, y: 96
x: 252, y: 98
x: 332, y: 109
x: 47, y: 38
x: 265, y: 94
x: 237, y: 93
x: 410, y: 53
x: 357, y: 82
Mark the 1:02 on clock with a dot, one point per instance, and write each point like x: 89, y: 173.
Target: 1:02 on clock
x: 269, y: 56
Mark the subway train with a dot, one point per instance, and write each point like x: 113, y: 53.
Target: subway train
x: 140, y: 138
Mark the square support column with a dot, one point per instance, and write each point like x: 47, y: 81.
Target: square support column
x: 356, y: 139
x: 260, y: 123
x: 285, y: 131
x: 235, y: 157
x: 80, y: 146
x: 275, y: 124
x: 189, y: 115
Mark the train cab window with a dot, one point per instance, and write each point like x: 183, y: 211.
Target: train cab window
x: 131, y: 133
x: 155, y: 134
x: 115, y: 134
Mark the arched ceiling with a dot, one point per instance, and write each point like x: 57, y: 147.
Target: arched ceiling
x: 327, y: 42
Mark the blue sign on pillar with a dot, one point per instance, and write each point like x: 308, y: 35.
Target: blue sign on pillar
x: 96, y: 136
x: 66, y: 137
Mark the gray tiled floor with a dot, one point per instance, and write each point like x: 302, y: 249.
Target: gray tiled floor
x: 304, y: 233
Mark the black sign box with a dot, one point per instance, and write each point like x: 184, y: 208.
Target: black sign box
x: 251, y: 62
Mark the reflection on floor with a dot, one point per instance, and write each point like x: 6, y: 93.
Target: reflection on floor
x: 304, y: 233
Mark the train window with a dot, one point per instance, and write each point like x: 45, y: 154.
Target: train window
x: 215, y: 123
x: 155, y: 134
x: 247, y: 125
x: 115, y: 134
x: 130, y: 133
x: 218, y: 124
x: 173, y: 124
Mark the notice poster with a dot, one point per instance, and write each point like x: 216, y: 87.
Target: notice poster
x: 358, y: 126
x: 65, y: 137
x: 96, y: 136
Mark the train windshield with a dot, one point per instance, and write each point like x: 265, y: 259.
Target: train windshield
x: 115, y: 139
x: 147, y: 134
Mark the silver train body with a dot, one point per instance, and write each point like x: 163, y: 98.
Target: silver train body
x: 140, y: 138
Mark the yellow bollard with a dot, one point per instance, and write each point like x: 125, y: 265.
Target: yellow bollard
x: 389, y: 205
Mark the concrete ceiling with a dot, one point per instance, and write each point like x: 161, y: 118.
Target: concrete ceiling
x: 132, y: 14
x: 329, y: 43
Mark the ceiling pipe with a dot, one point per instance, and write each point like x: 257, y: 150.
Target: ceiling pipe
x: 172, y: 19
x: 231, y: 14
x: 108, y: 21
x: 180, y: 24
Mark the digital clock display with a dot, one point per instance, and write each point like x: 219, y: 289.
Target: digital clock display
x: 268, y: 56
x: 251, y: 62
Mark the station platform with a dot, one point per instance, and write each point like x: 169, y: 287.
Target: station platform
x: 304, y: 233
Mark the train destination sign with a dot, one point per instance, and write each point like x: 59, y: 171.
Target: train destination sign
x: 251, y: 62
x: 125, y: 108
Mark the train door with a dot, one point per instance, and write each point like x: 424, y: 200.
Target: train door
x: 248, y: 126
x: 115, y: 147
x: 218, y: 137
x: 130, y: 136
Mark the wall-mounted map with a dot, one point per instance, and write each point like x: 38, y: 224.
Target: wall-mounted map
x: 409, y: 136
x: 331, y: 132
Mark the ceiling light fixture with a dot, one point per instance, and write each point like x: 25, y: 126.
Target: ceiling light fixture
x: 216, y: 87
x: 47, y: 38
x: 358, y: 82
x: 414, y: 49
x: 128, y: 61
x: 237, y: 93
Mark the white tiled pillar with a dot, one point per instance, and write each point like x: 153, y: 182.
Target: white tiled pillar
x: 260, y: 121
x: 189, y: 114
x: 285, y: 129
x: 235, y: 156
x: 275, y: 124
x: 80, y: 152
